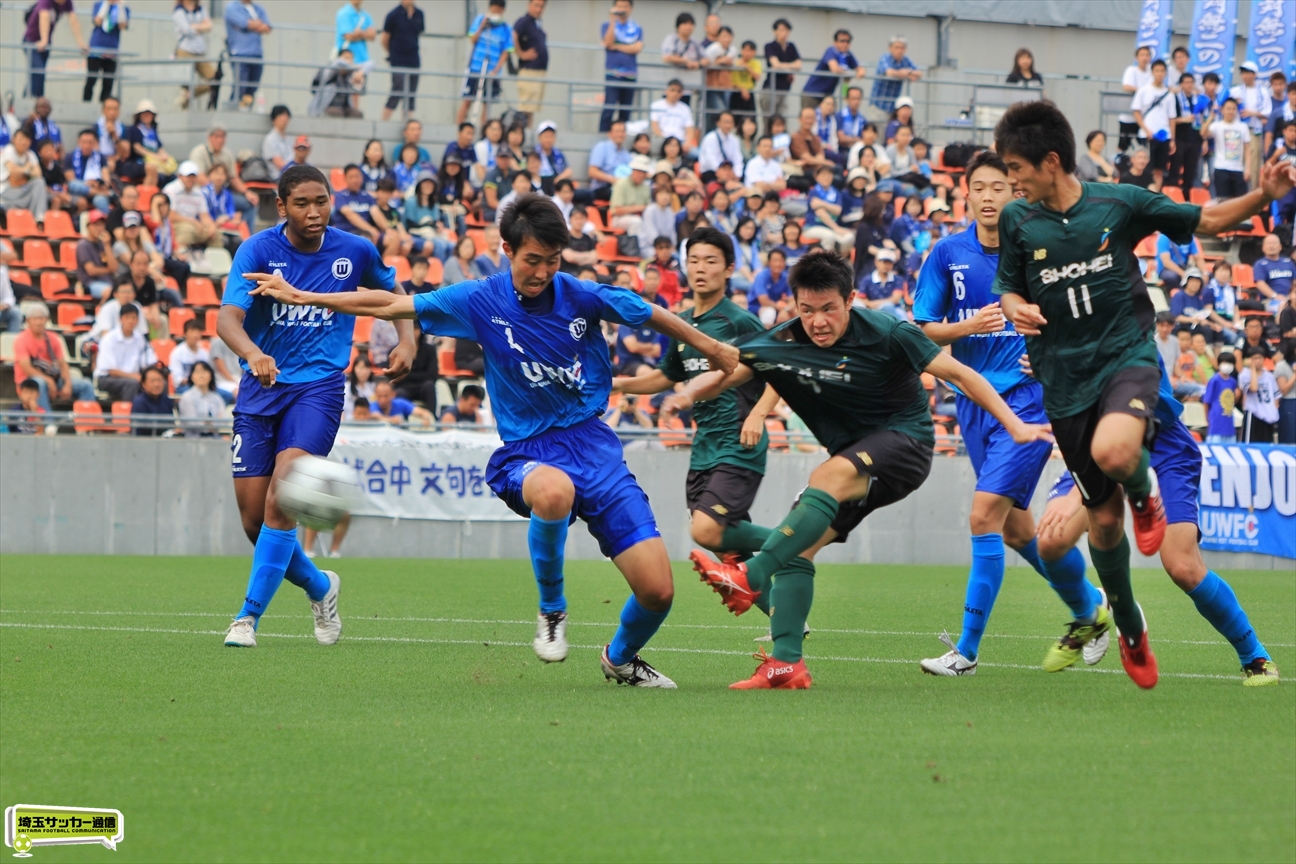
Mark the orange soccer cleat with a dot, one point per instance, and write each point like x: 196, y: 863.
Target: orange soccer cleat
x: 727, y: 578
x: 1150, y: 520
x: 1139, y: 661
x: 774, y: 674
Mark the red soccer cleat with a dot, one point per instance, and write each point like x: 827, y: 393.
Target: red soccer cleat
x: 727, y: 578
x: 774, y: 674
x: 1150, y: 522
x: 1139, y: 662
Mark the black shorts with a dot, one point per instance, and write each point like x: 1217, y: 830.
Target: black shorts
x: 1159, y: 155
x: 1134, y: 391
x: 725, y: 492
x: 897, y: 465
x: 490, y: 92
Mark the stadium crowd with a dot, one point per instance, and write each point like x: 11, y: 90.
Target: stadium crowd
x: 113, y: 250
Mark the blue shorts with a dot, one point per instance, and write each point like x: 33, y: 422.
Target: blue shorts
x: 1004, y: 467
x: 608, y: 497
x: 268, y: 420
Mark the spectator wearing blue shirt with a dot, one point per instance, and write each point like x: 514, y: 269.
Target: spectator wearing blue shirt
x: 351, y: 206
x: 220, y: 201
x: 883, y: 289
x: 1282, y: 113
x: 608, y: 162
x: 622, y: 41
x: 355, y: 30
x: 839, y: 60
x: 825, y: 202
x: 492, y: 40
x: 110, y: 18
x: 400, y: 39
x: 463, y: 147
x: 637, y: 349
x: 245, y: 23
x: 893, y: 70
x: 770, y: 290
x: 393, y: 409
x: 747, y: 261
x: 1273, y: 274
x: 1221, y: 397
x: 851, y: 120
x: 1192, y: 306
x: 1173, y: 260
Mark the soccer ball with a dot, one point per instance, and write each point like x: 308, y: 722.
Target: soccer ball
x: 317, y: 492
x: 22, y: 844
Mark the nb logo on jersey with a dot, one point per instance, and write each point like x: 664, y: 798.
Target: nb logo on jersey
x: 1137, y: 405
x: 1041, y: 254
x: 577, y: 329
x: 720, y: 509
x: 865, y: 458
x: 341, y: 268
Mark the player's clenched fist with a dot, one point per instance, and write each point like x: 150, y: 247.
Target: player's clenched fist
x: 263, y: 367
x: 723, y: 357
x: 1027, y: 320
x: 988, y: 319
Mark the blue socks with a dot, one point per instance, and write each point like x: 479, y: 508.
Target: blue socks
x: 547, y: 539
x: 983, y: 587
x: 303, y: 573
x: 1218, y: 604
x: 637, y: 626
x: 1031, y: 553
x: 1067, y: 577
x: 270, y: 558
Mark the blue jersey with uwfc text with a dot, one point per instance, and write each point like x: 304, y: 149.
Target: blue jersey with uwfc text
x: 543, y: 371
x: 307, y: 343
x: 953, y: 284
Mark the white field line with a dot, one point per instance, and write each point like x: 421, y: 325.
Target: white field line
x: 570, y: 623
x: 489, y: 643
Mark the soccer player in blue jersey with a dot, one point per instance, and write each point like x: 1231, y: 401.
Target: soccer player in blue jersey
x: 1177, y: 459
x: 290, y: 399
x: 954, y: 306
x: 549, y: 376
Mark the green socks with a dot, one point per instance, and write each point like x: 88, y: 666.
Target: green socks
x: 1114, y: 572
x: 800, y: 530
x: 1137, y: 486
x: 793, y: 595
x: 744, y: 538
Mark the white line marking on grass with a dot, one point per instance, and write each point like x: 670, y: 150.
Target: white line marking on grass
x: 667, y: 625
x: 489, y: 643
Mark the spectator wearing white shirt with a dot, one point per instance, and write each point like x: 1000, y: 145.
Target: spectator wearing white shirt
x: 124, y: 353
x: 1136, y: 77
x: 721, y: 57
x: 108, y: 314
x: 190, y: 218
x: 277, y: 147
x: 1154, y: 106
x: 1254, y: 106
x: 228, y: 371
x: 186, y: 354
x: 869, y: 139
x: 1260, y: 397
x: 672, y: 118
x: 763, y: 173
x: 21, y: 183
x: 201, y: 400
x: 721, y: 144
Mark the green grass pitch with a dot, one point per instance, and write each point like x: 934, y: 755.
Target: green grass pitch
x: 431, y: 732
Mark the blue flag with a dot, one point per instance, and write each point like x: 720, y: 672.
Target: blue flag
x: 1248, y: 498
x: 1154, y: 27
x: 1269, y: 39
x: 1210, y: 42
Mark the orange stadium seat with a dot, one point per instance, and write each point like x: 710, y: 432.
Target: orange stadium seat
x: 163, y: 348
x: 177, y: 317
x: 121, y: 414
x: 21, y: 223
x: 89, y: 417
x: 54, y: 283
x: 58, y: 224
x: 209, y: 322
x: 201, y: 292
x: 1199, y: 196
x: 1243, y: 276
x: 337, y: 179
x: 436, y: 271
x: 67, y: 255
x: 68, y: 314
x: 1174, y: 193
x: 363, y: 329
x: 37, y: 255
x: 401, y: 263
x: 446, y: 365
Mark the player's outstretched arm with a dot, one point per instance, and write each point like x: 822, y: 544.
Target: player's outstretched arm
x: 988, y: 319
x: 706, y: 386
x: 721, y: 356
x: 979, y: 391
x: 379, y: 304
x: 1275, y: 182
x: 642, y: 385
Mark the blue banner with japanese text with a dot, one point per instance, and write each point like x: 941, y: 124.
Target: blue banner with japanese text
x: 1211, y: 40
x: 435, y: 475
x: 1269, y: 38
x: 1154, y: 26
x: 1248, y: 499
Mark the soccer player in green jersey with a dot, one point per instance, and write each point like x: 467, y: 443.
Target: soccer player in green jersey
x: 854, y: 376
x: 1071, y: 285
x: 724, y: 473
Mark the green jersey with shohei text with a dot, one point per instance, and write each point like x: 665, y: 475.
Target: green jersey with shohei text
x: 1079, y: 268
x: 719, y: 420
x: 868, y: 381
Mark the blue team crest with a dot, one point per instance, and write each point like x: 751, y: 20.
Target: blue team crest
x: 577, y: 329
x: 341, y: 268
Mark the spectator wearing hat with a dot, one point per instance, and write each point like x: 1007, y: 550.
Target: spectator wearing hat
x: 901, y: 115
x: 630, y: 195
x: 301, y: 152
x: 837, y: 59
x: 893, y: 70
x: 277, y: 147
x: 124, y: 354
x: 883, y: 289
x: 499, y: 183
x: 531, y: 44
x: 41, y: 357
x: 245, y: 23
x: 212, y: 152
x: 22, y: 184
x: 190, y: 217
x: 1254, y: 108
x: 1192, y: 306
x: 146, y: 145
x: 41, y: 17
x: 1174, y: 259
x: 95, y: 262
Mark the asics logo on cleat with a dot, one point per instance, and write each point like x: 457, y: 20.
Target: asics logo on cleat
x: 778, y: 670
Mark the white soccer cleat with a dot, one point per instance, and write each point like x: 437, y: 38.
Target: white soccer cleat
x: 241, y: 633
x: 636, y: 673
x: 551, y: 637
x: 769, y: 636
x: 328, y: 625
x: 1095, y: 649
x: 951, y: 663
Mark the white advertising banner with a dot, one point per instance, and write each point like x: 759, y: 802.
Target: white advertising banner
x: 404, y: 475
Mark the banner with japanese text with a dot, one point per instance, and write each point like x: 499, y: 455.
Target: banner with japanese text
x: 1211, y: 40
x: 1248, y: 499
x: 1154, y: 27
x: 405, y: 475
x: 1269, y: 38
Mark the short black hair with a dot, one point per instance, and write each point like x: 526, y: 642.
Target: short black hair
x: 349, y: 167
x: 386, y: 184
x: 473, y: 390
x: 709, y: 236
x: 778, y: 252
x: 674, y: 82
x: 1228, y: 100
x: 1187, y: 76
x: 497, y: 4
x: 1033, y: 130
x: 278, y: 110
x: 769, y: 138
x: 1164, y: 318
x: 1249, y: 351
x: 781, y: 22
x: 842, y: 32
x: 562, y: 184
x: 299, y: 174
x: 822, y: 270
x: 985, y: 159
x: 360, y: 402
x: 747, y: 43
x: 144, y: 373
x: 192, y: 324
x: 466, y: 125
x: 1157, y: 62
x: 128, y: 309
x: 534, y: 217
x: 663, y: 241
x: 96, y: 134
x: 683, y: 18
x: 1220, y: 358
x: 416, y: 260
x: 523, y: 173
x: 1177, y: 51
x: 29, y: 384
x: 1210, y: 76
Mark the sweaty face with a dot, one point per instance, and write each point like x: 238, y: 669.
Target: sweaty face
x: 706, y: 267
x: 988, y: 193
x: 307, y: 209
x: 1026, y: 178
x: 533, y: 266
x: 825, y: 315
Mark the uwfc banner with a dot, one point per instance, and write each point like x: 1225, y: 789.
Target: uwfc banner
x: 404, y: 475
x: 1248, y: 499
x: 1210, y: 42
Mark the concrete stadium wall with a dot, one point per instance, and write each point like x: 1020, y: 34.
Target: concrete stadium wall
x: 143, y: 496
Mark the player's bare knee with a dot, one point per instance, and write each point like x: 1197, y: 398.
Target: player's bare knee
x: 1187, y: 570
x: 549, y: 493
x: 657, y: 597
x: 837, y: 477
x: 1051, y: 550
x: 707, y: 533
x: 1116, y: 458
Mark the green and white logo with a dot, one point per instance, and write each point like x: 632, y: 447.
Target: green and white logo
x: 30, y: 825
